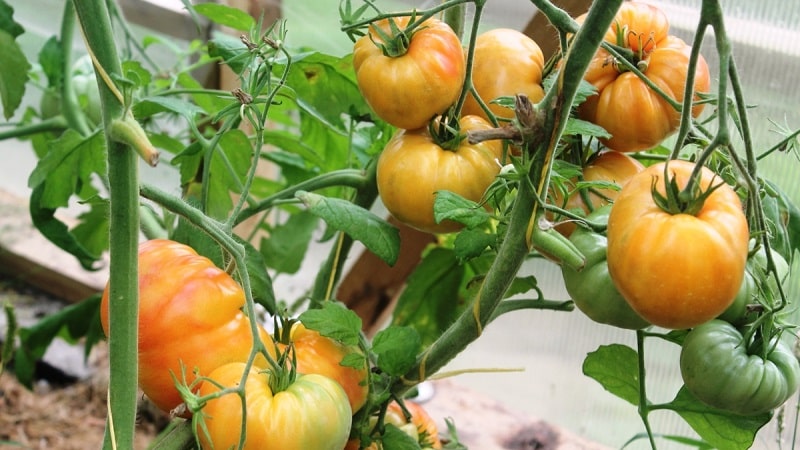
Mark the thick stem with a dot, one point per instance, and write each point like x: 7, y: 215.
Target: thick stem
x: 512, y: 252
x: 124, y: 235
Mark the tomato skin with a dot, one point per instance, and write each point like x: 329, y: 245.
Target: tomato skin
x: 506, y: 63
x: 412, y: 167
x: 636, y: 116
x: 676, y: 271
x: 313, y: 413
x: 190, y: 312
x: 609, y: 165
x: 408, y: 91
x: 717, y: 369
x: 321, y: 355
x: 755, y: 286
x: 591, y: 288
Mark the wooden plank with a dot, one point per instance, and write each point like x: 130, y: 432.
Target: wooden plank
x: 28, y: 256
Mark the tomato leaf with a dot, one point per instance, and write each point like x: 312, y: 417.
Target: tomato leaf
x: 616, y: 368
x: 783, y: 218
x: 431, y: 299
x: 396, y: 348
x: 335, y: 321
x: 50, y: 58
x: 719, y: 428
x: 396, y: 439
x: 226, y: 15
x: 378, y: 235
x: 449, y: 205
x: 470, y: 243
x: 14, y: 76
x: 287, y: 244
x: 71, y: 323
x: 582, y: 127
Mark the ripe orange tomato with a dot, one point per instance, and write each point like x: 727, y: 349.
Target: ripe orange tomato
x: 677, y: 270
x: 506, y: 63
x: 322, y: 355
x: 413, y: 167
x: 636, y: 116
x: 409, y: 89
x: 189, y: 313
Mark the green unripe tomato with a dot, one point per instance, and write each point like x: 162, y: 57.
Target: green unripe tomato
x: 591, y: 288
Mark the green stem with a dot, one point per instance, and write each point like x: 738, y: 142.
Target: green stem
x: 345, y: 177
x: 644, y: 404
x: 70, y: 107
x: 514, y: 249
x: 57, y: 123
x: 124, y: 236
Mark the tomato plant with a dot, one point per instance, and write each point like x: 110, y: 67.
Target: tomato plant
x: 321, y: 355
x: 636, y: 115
x: 506, y: 63
x: 180, y: 290
x: 606, y: 167
x: 413, y: 167
x: 722, y: 369
x: 591, y: 288
x: 677, y: 269
x: 311, y: 413
x: 408, y: 78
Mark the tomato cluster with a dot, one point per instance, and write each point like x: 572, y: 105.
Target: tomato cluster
x: 192, y: 332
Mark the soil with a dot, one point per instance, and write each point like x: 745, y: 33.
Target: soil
x: 62, y: 411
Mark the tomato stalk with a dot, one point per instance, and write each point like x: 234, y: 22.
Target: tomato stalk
x: 124, y: 234
x: 70, y: 108
x: 515, y: 247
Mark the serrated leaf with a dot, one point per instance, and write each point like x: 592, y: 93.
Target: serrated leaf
x: 7, y: 22
x: 335, y: 321
x: 226, y: 15
x: 14, y: 76
x: 394, y: 438
x: 449, y: 205
x: 431, y: 299
x: 92, y: 230
x: 285, y: 248
x: 152, y: 105
x: 50, y: 58
x: 470, y: 243
x: 229, y: 49
x: 396, y: 348
x: 616, y: 368
x: 719, y: 428
x: 378, y: 235
x: 577, y: 126
x: 44, y: 219
x: 67, y: 168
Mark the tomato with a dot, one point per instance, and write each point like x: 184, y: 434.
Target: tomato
x: 718, y: 368
x: 677, y: 270
x: 757, y: 287
x: 420, y: 426
x: 190, y: 313
x: 413, y: 167
x: 506, y: 63
x: 636, y: 116
x: 607, y: 166
x: 312, y: 413
x: 591, y: 288
x: 410, y: 89
x: 322, y: 355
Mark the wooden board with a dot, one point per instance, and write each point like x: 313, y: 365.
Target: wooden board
x: 27, y: 256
